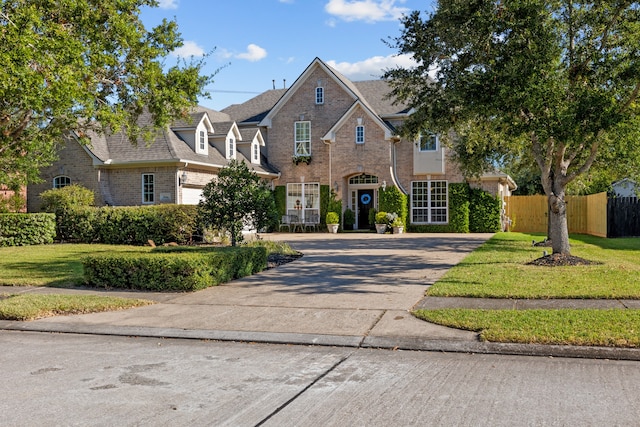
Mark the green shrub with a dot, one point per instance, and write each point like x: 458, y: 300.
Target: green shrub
x: 280, y: 197
x: 484, y: 212
x: 381, y: 217
x: 177, y: 268
x: 130, y: 225
x: 18, y: 229
x: 333, y: 218
x: 394, y: 200
x: 349, y: 217
x: 62, y: 201
x: 459, y: 208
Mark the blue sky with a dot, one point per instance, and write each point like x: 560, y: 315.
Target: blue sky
x: 255, y: 42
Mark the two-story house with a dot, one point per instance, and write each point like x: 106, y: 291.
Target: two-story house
x: 328, y: 130
x: 323, y: 131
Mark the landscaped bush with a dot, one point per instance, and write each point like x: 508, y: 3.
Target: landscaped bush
x: 17, y: 229
x: 133, y: 225
x: 63, y: 201
x: 458, y: 213
x: 173, y: 268
x: 393, y: 200
x: 484, y: 212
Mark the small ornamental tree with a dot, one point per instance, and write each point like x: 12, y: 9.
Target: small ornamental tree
x: 236, y: 199
x: 553, y: 84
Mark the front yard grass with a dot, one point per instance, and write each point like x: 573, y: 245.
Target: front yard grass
x: 32, y: 306
x: 610, y: 328
x: 498, y: 269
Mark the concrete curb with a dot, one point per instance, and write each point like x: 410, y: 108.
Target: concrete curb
x: 389, y: 343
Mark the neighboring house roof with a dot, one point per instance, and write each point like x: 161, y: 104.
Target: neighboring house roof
x: 166, y: 147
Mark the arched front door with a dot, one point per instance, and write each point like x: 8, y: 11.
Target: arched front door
x: 363, y: 191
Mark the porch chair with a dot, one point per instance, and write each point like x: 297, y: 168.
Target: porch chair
x: 285, y: 221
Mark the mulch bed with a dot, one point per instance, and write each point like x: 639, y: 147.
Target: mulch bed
x: 560, y: 260
x: 275, y: 260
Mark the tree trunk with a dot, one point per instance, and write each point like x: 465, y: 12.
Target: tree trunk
x: 558, y: 227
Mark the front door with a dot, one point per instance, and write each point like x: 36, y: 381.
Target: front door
x: 365, y: 204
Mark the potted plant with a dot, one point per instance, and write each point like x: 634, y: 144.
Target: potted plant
x: 397, y: 225
x: 349, y: 219
x: 333, y: 221
x: 381, y: 222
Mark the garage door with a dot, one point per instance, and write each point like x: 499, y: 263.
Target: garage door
x: 191, y: 196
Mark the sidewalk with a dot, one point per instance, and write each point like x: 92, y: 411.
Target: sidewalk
x: 353, y: 290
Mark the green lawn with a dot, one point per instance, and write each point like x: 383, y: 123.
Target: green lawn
x: 30, y: 307
x: 57, y: 265
x: 611, y: 328
x: 498, y: 270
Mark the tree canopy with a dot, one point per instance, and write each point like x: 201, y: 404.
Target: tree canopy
x: 81, y: 66
x: 237, y: 199
x: 550, y: 83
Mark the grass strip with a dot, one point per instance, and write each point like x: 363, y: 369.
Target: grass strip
x: 584, y: 327
x: 498, y: 269
x: 32, y: 306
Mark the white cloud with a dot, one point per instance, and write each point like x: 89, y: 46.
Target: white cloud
x: 372, y: 68
x: 188, y: 49
x: 254, y: 53
x: 365, y: 10
x: 168, y: 4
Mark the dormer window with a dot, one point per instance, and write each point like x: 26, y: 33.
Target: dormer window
x: 232, y: 148
x: 360, y: 134
x: 319, y: 95
x: 202, y: 140
x: 256, y: 153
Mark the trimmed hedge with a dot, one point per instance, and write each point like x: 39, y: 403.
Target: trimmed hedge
x: 19, y: 229
x: 392, y: 200
x: 181, y: 269
x: 130, y: 225
x: 484, y: 212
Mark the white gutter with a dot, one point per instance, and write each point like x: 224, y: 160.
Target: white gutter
x: 393, y: 168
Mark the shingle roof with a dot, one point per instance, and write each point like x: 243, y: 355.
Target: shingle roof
x: 256, y: 108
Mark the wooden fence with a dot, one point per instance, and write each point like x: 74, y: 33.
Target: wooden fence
x: 585, y: 214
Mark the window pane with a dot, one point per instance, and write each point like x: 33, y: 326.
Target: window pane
x: 428, y: 142
x: 61, y: 181
x: 303, y: 138
x: 319, y: 95
x: 147, y: 188
x: 359, y: 134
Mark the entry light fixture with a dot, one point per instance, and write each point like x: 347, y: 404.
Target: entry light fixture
x: 183, y: 177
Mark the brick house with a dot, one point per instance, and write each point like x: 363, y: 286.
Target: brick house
x: 327, y: 130
x: 323, y: 131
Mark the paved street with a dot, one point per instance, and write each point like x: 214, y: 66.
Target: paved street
x: 67, y: 380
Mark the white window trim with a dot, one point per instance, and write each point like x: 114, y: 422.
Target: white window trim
x: 255, y: 152
x: 153, y: 188
x: 319, y: 99
x: 231, y: 148
x: 429, y: 207
x: 202, y: 143
x: 431, y: 150
x: 309, y: 203
x: 307, y: 142
x: 363, y: 134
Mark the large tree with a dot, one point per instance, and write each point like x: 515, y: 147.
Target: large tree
x: 83, y: 65
x: 237, y: 199
x: 554, y: 83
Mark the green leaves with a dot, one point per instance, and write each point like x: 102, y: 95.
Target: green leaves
x: 84, y: 65
x: 236, y: 199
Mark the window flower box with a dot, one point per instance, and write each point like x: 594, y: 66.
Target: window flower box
x: 301, y: 159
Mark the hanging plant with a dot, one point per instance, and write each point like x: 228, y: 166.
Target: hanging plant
x: 301, y: 159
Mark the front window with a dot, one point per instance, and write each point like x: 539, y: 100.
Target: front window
x: 303, y: 138
x: 303, y: 201
x: 360, y: 134
x: 256, y: 153
x: 319, y: 95
x: 429, y: 202
x: 428, y: 142
x: 61, y: 181
x: 148, y: 188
